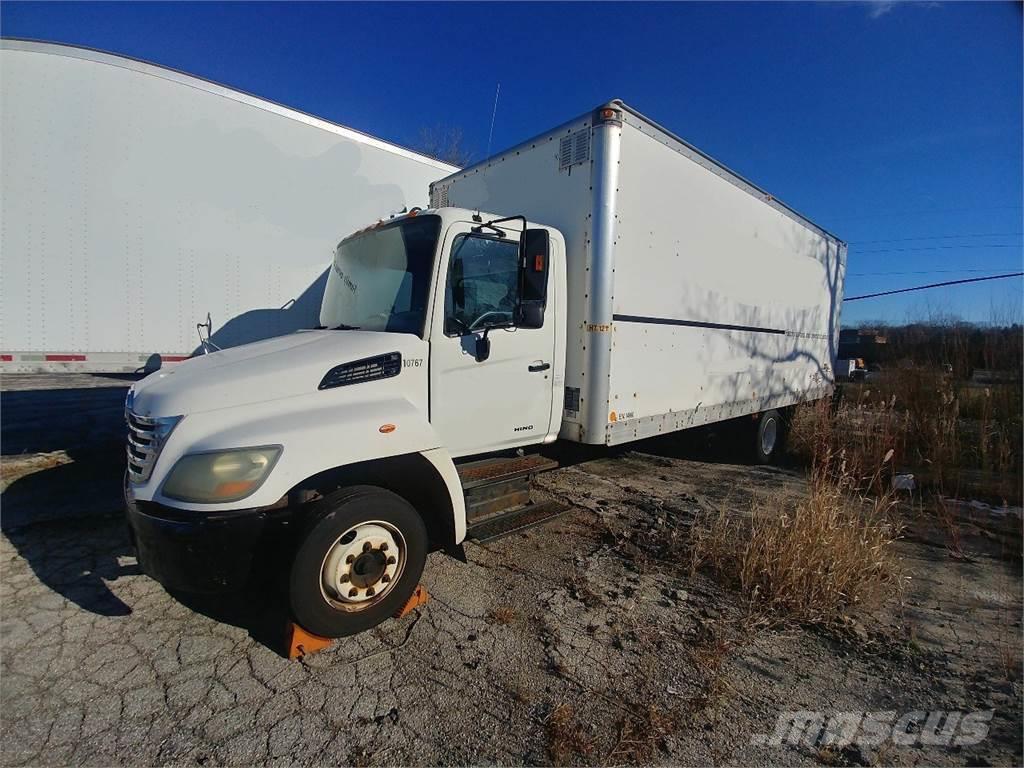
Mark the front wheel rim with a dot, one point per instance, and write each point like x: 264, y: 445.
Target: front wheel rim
x: 362, y: 566
x: 768, y: 436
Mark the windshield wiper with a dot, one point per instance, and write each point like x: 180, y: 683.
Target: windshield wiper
x: 344, y: 327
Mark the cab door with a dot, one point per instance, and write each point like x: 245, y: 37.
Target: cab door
x: 487, y: 402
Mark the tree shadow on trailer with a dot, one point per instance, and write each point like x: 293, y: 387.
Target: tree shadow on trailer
x: 761, y: 352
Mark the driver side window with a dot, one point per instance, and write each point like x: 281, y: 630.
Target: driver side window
x: 483, y: 284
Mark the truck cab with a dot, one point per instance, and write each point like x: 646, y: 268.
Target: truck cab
x: 442, y: 337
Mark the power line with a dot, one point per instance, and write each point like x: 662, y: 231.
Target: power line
x: 935, y: 237
x: 918, y: 272
x: 942, y: 247
x: 894, y: 214
x: 934, y: 285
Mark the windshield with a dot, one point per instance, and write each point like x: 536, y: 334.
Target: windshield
x: 380, y: 280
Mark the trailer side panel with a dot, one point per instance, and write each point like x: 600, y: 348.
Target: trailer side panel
x: 724, y: 305
x: 137, y: 199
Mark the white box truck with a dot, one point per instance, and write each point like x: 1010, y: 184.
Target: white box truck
x: 138, y: 201
x: 656, y: 291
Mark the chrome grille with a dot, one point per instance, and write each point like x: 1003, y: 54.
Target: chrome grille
x: 143, y: 447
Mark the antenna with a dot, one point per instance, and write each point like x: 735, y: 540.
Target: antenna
x: 494, y: 113
x: 490, y: 135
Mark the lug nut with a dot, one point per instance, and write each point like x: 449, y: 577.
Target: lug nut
x: 369, y: 592
x: 350, y: 559
x: 343, y: 578
x: 386, y: 578
x: 384, y: 547
x: 391, y: 561
x: 367, y: 547
x: 353, y: 592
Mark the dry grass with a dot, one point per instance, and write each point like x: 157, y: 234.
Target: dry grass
x: 1008, y: 655
x: 708, y: 656
x: 640, y: 736
x: 502, y: 614
x: 807, y: 559
x: 566, y: 737
x: 957, y: 438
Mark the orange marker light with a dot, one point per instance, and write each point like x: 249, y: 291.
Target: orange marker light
x: 233, y: 488
x: 612, y: 417
x: 538, y: 262
x: 386, y: 428
x: 607, y: 114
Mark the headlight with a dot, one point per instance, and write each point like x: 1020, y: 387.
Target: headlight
x: 209, y: 478
x: 129, y: 401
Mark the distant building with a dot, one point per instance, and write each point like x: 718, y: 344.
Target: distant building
x: 863, y: 343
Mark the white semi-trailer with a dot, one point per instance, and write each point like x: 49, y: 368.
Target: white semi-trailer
x: 657, y: 291
x: 137, y: 201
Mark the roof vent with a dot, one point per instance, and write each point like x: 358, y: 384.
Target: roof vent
x: 574, y: 149
x: 439, y: 196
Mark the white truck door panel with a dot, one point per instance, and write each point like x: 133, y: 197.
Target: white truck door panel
x: 506, y: 400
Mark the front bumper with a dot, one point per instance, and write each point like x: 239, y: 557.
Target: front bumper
x: 196, y: 551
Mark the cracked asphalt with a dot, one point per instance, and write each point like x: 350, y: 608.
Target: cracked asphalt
x: 570, y: 642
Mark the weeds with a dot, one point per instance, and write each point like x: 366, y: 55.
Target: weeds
x: 807, y: 559
x: 566, y: 737
x: 951, y: 527
x: 502, y: 615
x: 957, y: 436
x: 640, y: 736
x: 708, y: 657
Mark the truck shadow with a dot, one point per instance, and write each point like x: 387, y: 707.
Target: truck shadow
x: 62, y: 509
x: 723, y: 443
x: 67, y: 523
x: 64, y: 520
x: 259, y: 324
x: 261, y: 609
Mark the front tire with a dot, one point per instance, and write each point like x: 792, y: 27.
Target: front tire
x: 359, y: 561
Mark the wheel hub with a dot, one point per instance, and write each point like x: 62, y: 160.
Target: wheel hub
x: 363, y: 564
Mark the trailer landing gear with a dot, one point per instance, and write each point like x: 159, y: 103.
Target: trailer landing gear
x: 302, y: 643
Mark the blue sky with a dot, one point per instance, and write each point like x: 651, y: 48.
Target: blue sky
x: 896, y: 126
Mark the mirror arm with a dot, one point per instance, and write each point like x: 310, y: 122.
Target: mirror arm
x: 480, y: 228
x: 483, y: 347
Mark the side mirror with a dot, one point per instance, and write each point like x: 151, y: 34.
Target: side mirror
x: 531, y: 315
x: 483, y: 347
x: 534, y: 255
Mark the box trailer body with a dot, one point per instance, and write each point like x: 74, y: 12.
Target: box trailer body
x: 601, y: 283
x: 136, y: 200
x: 693, y: 296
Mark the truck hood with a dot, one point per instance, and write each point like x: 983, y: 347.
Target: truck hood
x: 286, y: 366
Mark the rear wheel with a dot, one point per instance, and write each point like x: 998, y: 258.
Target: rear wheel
x: 359, y: 561
x: 769, y: 437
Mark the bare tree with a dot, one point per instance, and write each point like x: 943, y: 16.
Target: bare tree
x: 446, y: 143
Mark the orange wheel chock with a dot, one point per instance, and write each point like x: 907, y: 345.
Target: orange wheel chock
x: 418, y: 598
x: 303, y: 643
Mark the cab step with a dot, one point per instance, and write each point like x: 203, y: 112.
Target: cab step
x: 515, y: 521
x: 486, y: 471
x: 495, y: 486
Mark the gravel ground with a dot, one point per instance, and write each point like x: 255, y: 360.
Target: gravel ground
x: 575, y: 642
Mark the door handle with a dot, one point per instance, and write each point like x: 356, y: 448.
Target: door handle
x: 539, y: 367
